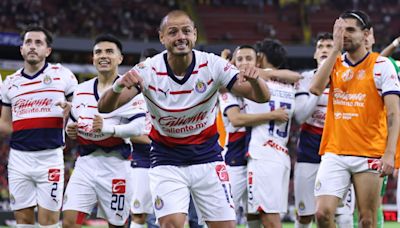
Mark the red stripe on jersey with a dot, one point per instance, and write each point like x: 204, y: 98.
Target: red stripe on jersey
x: 91, y: 106
x: 200, y: 138
x: 109, y: 142
x: 235, y: 136
x: 203, y: 65
x: 209, y: 82
x: 56, y: 79
x: 195, y: 72
x: 35, y: 123
x: 153, y: 117
x: 378, y: 74
x: 86, y: 118
x: 55, y: 67
x: 180, y: 92
x: 89, y: 94
x: 41, y: 91
x: 184, y: 109
x: 381, y: 61
x: 31, y: 83
x: 159, y: 73
x: 152, y: 88
x: 312, y: 129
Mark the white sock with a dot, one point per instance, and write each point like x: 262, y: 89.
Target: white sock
x: 25, y: 226
x: 57, y: 225
x: 344, y: 221
x: 297, y: 224
x: 136, y: 225
x: 254, y: 224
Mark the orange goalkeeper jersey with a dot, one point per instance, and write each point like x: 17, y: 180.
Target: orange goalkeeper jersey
x: 356, y: 117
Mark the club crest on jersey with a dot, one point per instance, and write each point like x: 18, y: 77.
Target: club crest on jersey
x: 347, y: 75
x: 302, y: 206
x: 47, y: 80
x: 12, y: 199
x: 136, y: 203
x: 200, y: 87
x: 360, y: 74
x: 158, y: 203
x: 317, y: 185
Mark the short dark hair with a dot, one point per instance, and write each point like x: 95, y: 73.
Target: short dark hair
x: 274, y: 51
x: 363, y: 20
x: 324, y: 36
x: 35, y: 28
x: 108, y: 38
x: 247, y: 46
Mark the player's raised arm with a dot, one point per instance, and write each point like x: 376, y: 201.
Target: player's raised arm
x: 321, y: 78
x: 123, y: 90
x: 388, y: 51
x: 250, y: 85
x: 282, y: 75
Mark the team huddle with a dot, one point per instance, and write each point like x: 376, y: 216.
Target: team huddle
x: 148, y: 139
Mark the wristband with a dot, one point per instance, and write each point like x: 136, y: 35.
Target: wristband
x: 395, y: 42
x: 117, y: 88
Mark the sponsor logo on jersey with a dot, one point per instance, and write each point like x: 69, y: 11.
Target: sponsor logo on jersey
x: 374, y: 164
x: 200, y: 87
x: 222, y: 173
x: 173, y: 121
x: 47, y: 80
x: 360, y: 74
x: 118, y: 186
x: 54, y: 175
x: 276, y: 146
x: 158, y: 203
x: 23, y: 106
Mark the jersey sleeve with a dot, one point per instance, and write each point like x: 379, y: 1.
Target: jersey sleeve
x: 70, y: 81
x: 223, y: 72
x: 227, y: 101
x: 386, y: 78
x: 303, y: 86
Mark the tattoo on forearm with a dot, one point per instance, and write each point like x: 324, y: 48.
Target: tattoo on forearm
x: 390, y: 120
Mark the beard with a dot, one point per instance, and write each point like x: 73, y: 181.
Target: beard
x: 351, y: 47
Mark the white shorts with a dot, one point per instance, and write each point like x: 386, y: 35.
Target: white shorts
x: 267, y: 186
x: 208, y: 184
x: 334, y: 173
x: 304, y: 181
x: 36, y: 178
x: 141, y: 197
x: 238, y: 178
x: 104, y: 180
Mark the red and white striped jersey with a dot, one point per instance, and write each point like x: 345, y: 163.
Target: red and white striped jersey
x: 37, y: 121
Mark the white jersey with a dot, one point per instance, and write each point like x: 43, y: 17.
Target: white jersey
x: 37, y: 121
x: 84, y: 108
x: 237, y: 143
x: 183, y: 109
x: 268, y: 141
x: 317, y: 118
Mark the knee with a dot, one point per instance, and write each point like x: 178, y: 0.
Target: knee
x: 366, y: 221
x: 305, y: 219
x: 323, y: 215
x: 139, y: 218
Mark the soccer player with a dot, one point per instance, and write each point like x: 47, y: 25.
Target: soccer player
x: 180, y: 86
x: 310, y: 112
x: 268, y: 168
x: 362, y: 122
x: 33, y: 101
x: 102, y: 171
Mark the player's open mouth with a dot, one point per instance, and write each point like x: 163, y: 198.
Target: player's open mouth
x: 104, y: 63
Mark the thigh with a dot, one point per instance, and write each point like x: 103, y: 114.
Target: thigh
x: 141, y: 196
x: 169, y: 187
x: 212, y: 193
x: 80, y: 194
x: 114, y: 192
x: 238, y: 180
x: 367, y: 186
x: 333, y: 176
x: 269, y: 186
x: 304, y: 181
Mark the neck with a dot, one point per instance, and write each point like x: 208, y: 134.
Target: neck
x: 105, y: 80
x: 179, y: 64
x: 33, y: 68
x: 357, y: 55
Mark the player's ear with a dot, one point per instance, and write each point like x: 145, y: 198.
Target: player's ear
x: 48, y: 51
x: 161, y: 36
x: 120, y: 59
